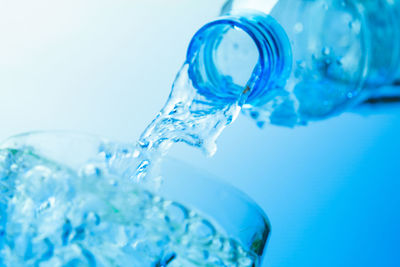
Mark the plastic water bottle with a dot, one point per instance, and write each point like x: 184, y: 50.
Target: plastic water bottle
x: 293, y: 61
x: 283, y: 62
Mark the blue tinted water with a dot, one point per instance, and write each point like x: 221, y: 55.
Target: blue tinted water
x: 188, y: 117
x: 53, y: 215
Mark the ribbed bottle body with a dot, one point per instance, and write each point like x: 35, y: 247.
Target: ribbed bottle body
x: 343, y: 52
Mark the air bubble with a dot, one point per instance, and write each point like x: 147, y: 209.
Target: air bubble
x: 14, y: 167
x: 92, y: 219
x: 39, y: 172
x: 142, y: 169
x: 91, y: 170
x: 355, y: 26
x: 230, y: 249
x: 202, y: 231
x: 245, y: 261
x: 46, y: 205
x: 118, y: 218
x: 176, y: 214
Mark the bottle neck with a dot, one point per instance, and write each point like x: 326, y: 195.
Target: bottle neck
x: 239, y: 57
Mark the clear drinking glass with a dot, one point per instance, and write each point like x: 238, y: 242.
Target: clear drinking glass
x: 61, y: 204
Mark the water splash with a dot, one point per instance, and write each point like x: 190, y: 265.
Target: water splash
x: 219, y: 76
x: 54, y: 215
x: 188, y: 117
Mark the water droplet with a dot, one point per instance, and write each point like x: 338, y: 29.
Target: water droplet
x: 136, y: 153
x: 157, y: 199
x: 143, y: 144
x: 14, y: 167
x: 254, y: 114
x: 301, y: 64
x: 326, y: 51
x: 142, y: 169
x: 298, y: 27
x: 328, y: 61
x: 49, y: 203
x: 113, y: 182
x: 79, y: 233
x: 260, y: 124
x: 66, y: 231
x: 165, y: 260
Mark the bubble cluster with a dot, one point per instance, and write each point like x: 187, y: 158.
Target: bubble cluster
x: 51, y: 215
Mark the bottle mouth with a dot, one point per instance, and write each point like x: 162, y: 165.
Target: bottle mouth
x: 239, y: 58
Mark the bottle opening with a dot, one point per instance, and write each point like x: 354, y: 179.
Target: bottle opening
x: 233, y: 58
x: 224, y: 58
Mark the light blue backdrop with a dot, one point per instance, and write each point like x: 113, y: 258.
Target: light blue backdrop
x: 105, y: 67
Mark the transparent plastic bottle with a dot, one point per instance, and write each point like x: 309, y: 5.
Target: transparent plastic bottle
x: 293, y: 61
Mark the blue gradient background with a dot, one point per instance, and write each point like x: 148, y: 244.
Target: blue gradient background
x: 105, y: 67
